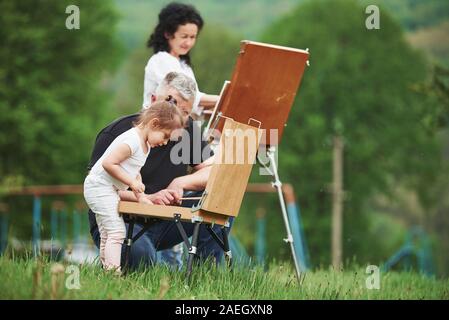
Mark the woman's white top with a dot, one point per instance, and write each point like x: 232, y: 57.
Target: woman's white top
x: 132, y: 165
x: 157, y: 68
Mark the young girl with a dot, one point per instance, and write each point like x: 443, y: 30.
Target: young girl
x: 119, y: 169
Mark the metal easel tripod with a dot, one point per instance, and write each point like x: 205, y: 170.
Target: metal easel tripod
x: 273, y: 171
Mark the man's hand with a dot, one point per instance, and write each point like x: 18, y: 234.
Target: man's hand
x: 165, y: 197
x: 143, y: 198
x: 177, y: 187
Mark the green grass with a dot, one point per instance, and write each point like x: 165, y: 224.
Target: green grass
x: 27, y: 278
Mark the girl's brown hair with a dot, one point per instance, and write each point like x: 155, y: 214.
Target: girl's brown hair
x: 167, y: 114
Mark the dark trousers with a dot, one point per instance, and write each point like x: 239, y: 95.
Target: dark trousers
x: 162, y: 235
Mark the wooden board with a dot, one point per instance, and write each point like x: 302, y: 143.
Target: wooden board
x: 233, y: 164
x: 213, y: 218
x: 156, y: 211
x: 263, y: 86
x: 165, y: 212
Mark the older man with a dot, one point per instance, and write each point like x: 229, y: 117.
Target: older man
x: 165, y: 179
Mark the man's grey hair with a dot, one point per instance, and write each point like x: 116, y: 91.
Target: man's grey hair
x: 185, y: 85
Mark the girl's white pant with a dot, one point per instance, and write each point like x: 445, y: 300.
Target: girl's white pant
x: 103, y: 200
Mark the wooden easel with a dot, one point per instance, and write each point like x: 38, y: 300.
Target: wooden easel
x: 263, y: 87
x: 220, y: 200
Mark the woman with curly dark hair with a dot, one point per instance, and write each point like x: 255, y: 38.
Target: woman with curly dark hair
x: 172, y: 39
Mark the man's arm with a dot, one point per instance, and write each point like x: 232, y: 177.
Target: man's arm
x: 208, y: 101
x: 162, y: 197
x: 196, y: 181
x: 127, y: 196
x: 205, y: 163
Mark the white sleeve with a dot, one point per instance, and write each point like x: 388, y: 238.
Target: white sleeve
x: 147, y: 88
x: 163, y: 65
x: 156, y: 69
x: 196, y: 108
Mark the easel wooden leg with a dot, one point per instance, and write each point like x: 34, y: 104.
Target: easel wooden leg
x: 128, y: 243
x: 193, y: 249
x: 226, y: 249
x: 273, y: 170
x: 182, y: 232
x: 224, y: 244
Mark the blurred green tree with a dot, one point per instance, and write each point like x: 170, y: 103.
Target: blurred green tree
x: 214, y: 57
x: 360, y: 85
x: 53, y: 97
x: 415, y: 14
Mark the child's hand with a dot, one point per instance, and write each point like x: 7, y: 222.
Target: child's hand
x: 137, y: 186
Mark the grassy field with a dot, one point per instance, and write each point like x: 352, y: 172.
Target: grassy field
x: 32, y: 279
